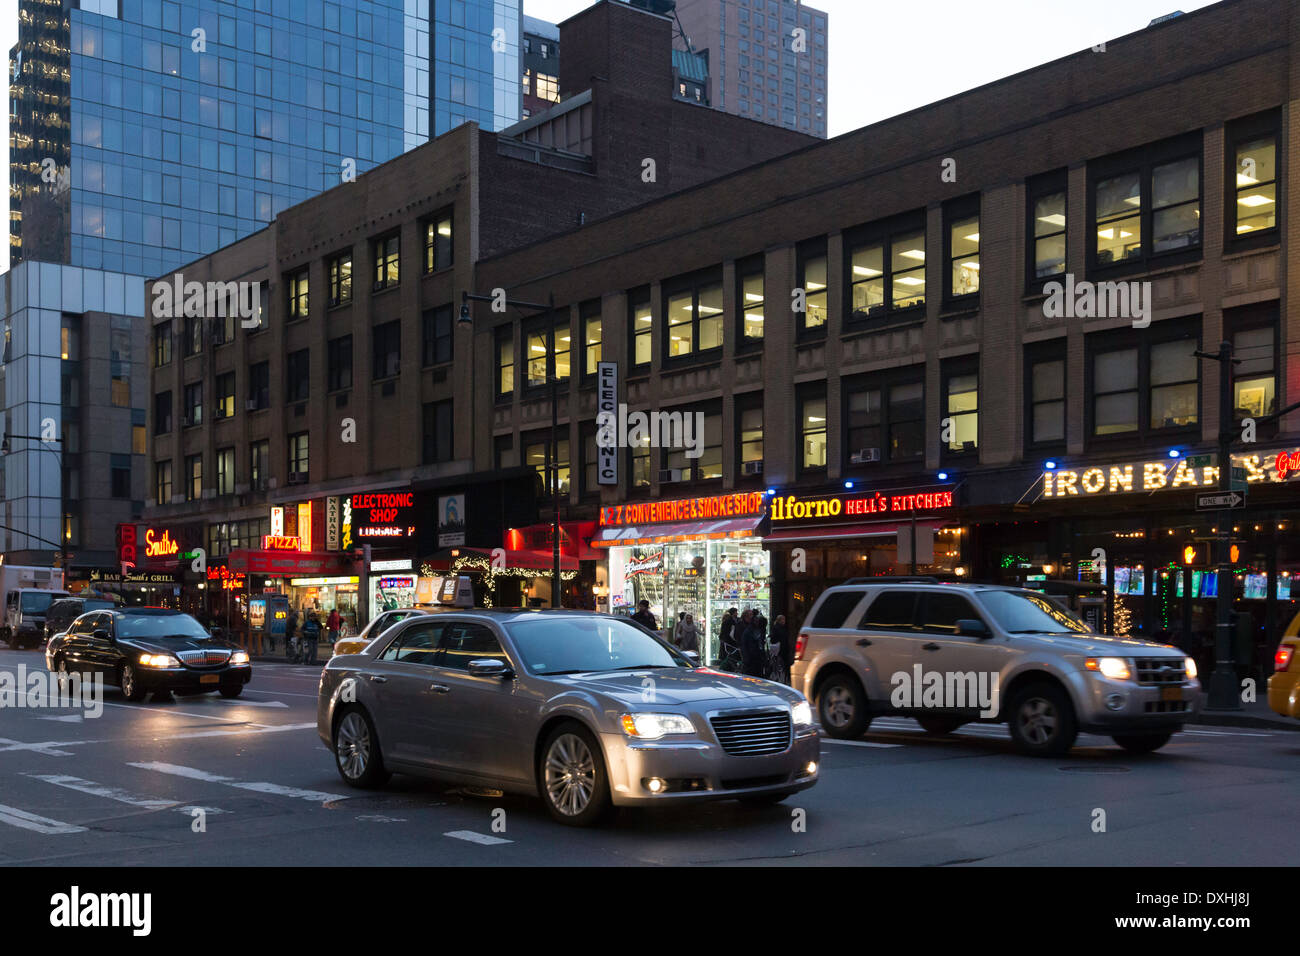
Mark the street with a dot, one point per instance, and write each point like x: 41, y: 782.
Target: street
x: 206, y: 781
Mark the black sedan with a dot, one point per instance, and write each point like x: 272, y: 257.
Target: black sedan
x: 149, y: 649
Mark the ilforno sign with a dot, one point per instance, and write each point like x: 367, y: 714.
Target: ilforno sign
x: 832, y: 508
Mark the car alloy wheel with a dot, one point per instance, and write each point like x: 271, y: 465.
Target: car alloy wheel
x: 1037, y: 720
x: 130, y: 684
x: 838, y: 709
x: 570, y: 774
x: 353, y: 748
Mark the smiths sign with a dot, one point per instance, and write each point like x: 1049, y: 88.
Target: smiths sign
x: 383, y: 514
x: 684, y: 509
x: 856, y: 507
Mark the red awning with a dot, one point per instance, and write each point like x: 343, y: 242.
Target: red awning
x: 297, y: 563
x: 838, y: 531
x: 676, y: 531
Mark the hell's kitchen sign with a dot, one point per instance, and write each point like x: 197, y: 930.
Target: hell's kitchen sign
x: 832, y: 508
x: 383, y: 514
x: 740, y: 505
x: 1165, y: 474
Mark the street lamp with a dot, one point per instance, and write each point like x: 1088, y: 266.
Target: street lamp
x: 553, y: 447
x: 63, y: 532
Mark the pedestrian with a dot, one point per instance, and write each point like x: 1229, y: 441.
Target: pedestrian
x: 780, y: 637
x: 310, y: 637
x: 677, y: 629
x: 751, y: 645
x: 290, y: 632
x: 332, y: 627
x: 728, y: 640
x: 688, y: 635
x: 644, y: 617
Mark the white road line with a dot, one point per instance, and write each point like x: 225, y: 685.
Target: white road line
x: 99, y: 790
x: 316, y: 796
x: 178, y: 713
x: 857, y: 743
x: 47, y: 747
x: 67, y: 719
x: 469, y: 836
x: 30, y: 821
x: 251, y: 703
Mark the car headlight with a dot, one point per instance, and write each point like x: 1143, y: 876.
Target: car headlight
x: 801, y: 714
x: 158, y: 660
x: 654, y: 726
x: 1191, y: 668
x: 1116, y: 668
x: 239, y: 657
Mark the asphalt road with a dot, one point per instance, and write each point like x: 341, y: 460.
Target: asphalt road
x: 205, y: 781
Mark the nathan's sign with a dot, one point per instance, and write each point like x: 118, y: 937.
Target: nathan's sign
x: 855, y: 507
x: 1164, y: 474
x: 684, y: 509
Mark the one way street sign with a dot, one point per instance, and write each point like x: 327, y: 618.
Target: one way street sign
x: 1219, y: 500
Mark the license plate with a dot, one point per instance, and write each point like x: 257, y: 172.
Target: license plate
x: 209, y: 678
x: 1171, y: 693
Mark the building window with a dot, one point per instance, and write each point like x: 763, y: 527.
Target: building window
x: 139, y: 440
x: 297, y: 380
x: 961, y: 407
x: 1046, y: 390
x: 1165, y: 372
x: 590, y: 459
x: 812, y: 280
x: 503, y: 452
x: 1153, y: 192
x: 296, y: 285
x: 341, y: 279
x: 884, y: 420
x: 547, y: 87
x: 438, y: 432
x: 193, y: 404
x: 749, y: 421
x: 162, y: 344
x: 259, y: 385
x: 437, y: 336
x: 752, y: 297
x: 1046, y: 206
x: 225, y: 471
x: 226, y: 395
x: 259, y: 464
x: 298, y: 455
x: 709, y: 463
x: 1255, y: 373
x: 641, y: 327
x: 640, y: 455
x: 120, y: 482
x: 505, y: 348
x: 437, y: 243
x: 162, y: 483
x: 886, y: 267
x: 548, y: 352
x: 963, y: 240
x: 535, y: 458
x: 693, y: 319
x: 591, y: 337
x: 193, y: 477
x: 193, y: 334
x: 387, y: 253
x: 119, y: 366
x: 812, y: 432
x: 340, y: 363
x: 1252, y: 180
x: 387, y: 339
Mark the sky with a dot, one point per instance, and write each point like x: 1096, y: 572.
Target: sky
x: 888, y: 57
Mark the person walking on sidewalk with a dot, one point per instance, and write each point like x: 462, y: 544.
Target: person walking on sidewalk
x: 644, y: 617
x: 310, y: 637
x: 290, y: 632
x: 332, y: 628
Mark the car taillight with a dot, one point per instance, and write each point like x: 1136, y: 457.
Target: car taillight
x: 1283, y: 659
x: 799, y: 645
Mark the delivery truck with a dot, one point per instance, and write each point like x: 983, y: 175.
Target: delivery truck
x: 27, y: 592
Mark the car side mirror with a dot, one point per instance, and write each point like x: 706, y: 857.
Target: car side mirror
x: 103, y: 635
x: 490, y: 667
x: 973, y: 627
x: 693, y: 656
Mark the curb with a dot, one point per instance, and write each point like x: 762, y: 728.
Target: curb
x: 1228, y: 718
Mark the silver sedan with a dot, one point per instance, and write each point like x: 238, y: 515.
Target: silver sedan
x: 584, y: 710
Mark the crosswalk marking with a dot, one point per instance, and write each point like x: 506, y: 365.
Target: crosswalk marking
x: 99, y: 790
x: 858, y: 743
x: 316, y: 796
x: 30, y: 821
x: 469, y: 836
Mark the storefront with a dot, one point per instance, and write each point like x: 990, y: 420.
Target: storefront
x: 307, y: 580
x: 697, y: 556
x: 587, y: 589
x: 817, y: 542
x: 385, y: 525
x: 504, y: 577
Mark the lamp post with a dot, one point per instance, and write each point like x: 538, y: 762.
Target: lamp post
x: 552, y: 449
x: 63, y: 534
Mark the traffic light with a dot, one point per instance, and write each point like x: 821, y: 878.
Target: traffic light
x: 1193, y: 554
x: 1234, y: 553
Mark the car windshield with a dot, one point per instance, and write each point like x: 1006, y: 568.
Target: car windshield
x: 180, y: 626
x: 576, y: 645
x: 35, y: 602
x: 93, y: 605
x: 1022, y: 612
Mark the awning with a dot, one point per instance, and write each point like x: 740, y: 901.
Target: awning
x: 836, y: 532
x: 541, y: 561
x: 295, y: 563
x: 676, y: 531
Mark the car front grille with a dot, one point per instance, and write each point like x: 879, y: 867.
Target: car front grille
x: 204, y: 658
x: 1161, y: 670
x: 753, y: 734
x: 1166, y: 707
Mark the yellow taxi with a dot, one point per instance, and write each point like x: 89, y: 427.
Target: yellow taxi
x: 1284, y: 685
x: 355, y: 643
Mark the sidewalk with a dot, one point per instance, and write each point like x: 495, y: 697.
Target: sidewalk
x: 1255, y: 714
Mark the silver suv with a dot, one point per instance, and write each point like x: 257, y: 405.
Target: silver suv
x: 948, y: 654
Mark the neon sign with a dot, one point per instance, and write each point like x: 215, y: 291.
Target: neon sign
x: 839, y: 507
x: 1166, y: 475
x: 385, y: 514
x: 159, y: 547
x: 684, y: 509
x: 281, y: 542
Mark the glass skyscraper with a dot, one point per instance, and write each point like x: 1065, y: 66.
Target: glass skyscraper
x: 147, y: 133
x: 150, y: 132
